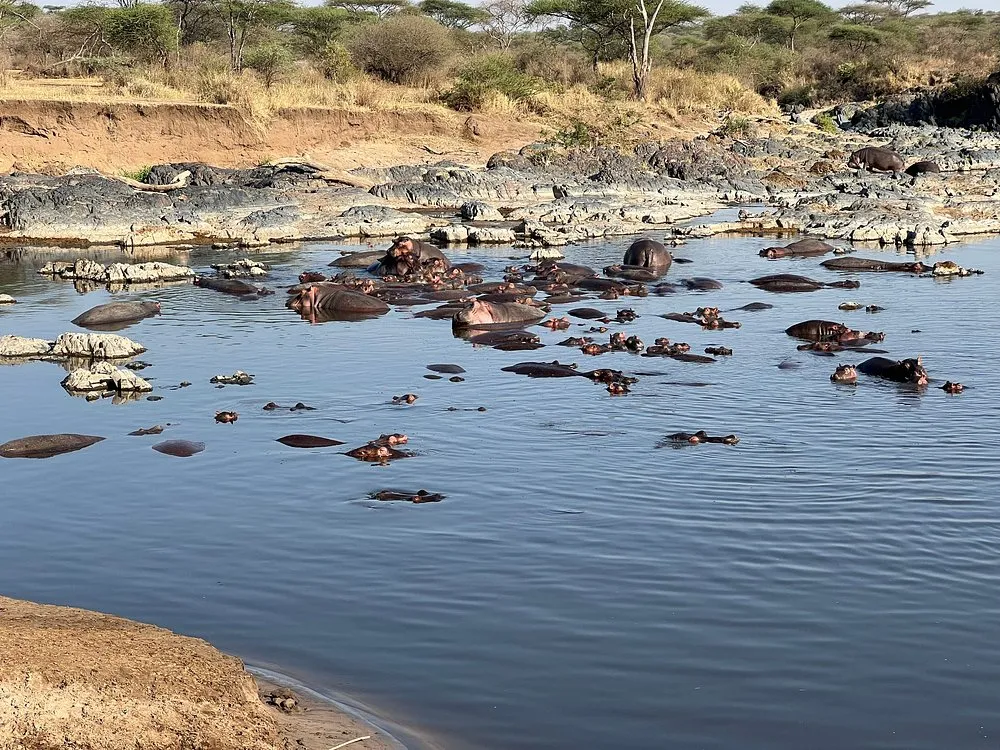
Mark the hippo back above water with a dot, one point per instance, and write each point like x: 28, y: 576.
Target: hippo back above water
x: 875, y: 158
x: 647, y: 253
x: 491, y: 315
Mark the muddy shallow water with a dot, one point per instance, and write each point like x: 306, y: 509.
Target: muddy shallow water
x: 830, y: 582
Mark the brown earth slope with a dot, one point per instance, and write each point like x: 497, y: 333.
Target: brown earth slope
x: 70, y: 678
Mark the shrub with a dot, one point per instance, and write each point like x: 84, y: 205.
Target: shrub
x: 736, y: 127
x: 552, y: 63
x: 269, y: 61
x: 488, y: 76
x: 825, y: 123
x: 335, y: 63
x: 402, y: 49
x: 797, y: 96
x: 139, y: 175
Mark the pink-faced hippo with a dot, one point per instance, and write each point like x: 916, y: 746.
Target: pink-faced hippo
x: 481, y: 314
x: 324, y: 300
x: 406, y: 256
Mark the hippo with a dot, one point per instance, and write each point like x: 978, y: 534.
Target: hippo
x: 801, y: 248
x: 851, y: 263
x: 647, y: 253
x: 407, y: 255
x: 227, y: 286
x: 752, y: 307
x: 179, y: 448
x: 701, y: 284
x: 787, y: 282
x: 488, y: 315
x: 357, y: 260
x: 817, y: 330
x: 875, y: 158
x: 308, y: 441
x: 116, y: 315
x: 923, y: 167
x: 634, y: 273
x: 701, y: 436
x: 46, y: 446
x: 326, y: 300
x: 845, y: 374
x: 900, y: 371
x: 543, y: 370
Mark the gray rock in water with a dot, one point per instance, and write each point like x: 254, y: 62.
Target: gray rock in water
x: 95, y: 346
x: 17, y: 346
x: 103, y: 376
x: 6, y: 299
x: 243, y: 268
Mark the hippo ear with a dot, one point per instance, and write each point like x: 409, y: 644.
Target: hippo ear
x: 476, y: 304
x: 920, y: 359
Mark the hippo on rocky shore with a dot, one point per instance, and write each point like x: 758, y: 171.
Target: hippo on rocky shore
x: 325, y: 300
x: 481, y: 314
x: 800, y: 248
x: 923, y: 167
x: 406, y: 256
x: 875, y: 158
x: 851, y: 263
x: 900, y: 371
x: 116, y: 315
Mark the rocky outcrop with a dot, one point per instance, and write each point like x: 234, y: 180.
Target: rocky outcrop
x: 972, y: 105
x: 70, y: 345
x: 117, y: 273
x: 6, y: 299
x: 244, y: 268
x: 104, y: 377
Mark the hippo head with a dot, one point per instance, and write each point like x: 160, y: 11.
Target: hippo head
x: 472, y: 314
x: 401, y: 246
x: 914, y: 371
x: 854, y: 162
x: 845, y: 374
x: 772, y: 252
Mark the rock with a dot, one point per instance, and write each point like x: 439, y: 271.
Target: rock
x: 144, y: 273
x: 18, y: 346
x: 491, y: 236
x: 103, y: 376
x: 95, y: 346
x: 479, y: 211
x: 547, y: 253
x: 243, y: 268
x: 451, y: 234
x: 6, y: 299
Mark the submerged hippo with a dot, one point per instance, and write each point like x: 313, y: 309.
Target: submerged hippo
x: 851, y: 263
x: 875, y: 158
x: 800, y: 248
x: 845, y: 374
x: 407, y: 255
x: 647, y: 253
x: 787, y: 282
x: 900, y: 371
x: 490, y: 315
x: 923, y: 167
x: 228, y: 286
x: 326, y: 300
x: 817, y: 330
x: 116, y: 314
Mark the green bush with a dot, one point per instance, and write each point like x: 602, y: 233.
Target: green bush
x: 402, y: 49
x: 488, y: 75
x: 825, y: 123
x: 576, y: 135
x: 139, y: 175
x: 336, y: 63
x: 797, y: 95
x: 269, y: 61
x: 736, y: 127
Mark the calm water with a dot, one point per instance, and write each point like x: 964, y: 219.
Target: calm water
x: 831, y: 582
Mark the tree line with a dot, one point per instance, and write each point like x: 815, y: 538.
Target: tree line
x: 795, y: 51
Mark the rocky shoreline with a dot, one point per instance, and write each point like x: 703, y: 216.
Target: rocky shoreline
x: 793, y: 175
x: 71, y: 678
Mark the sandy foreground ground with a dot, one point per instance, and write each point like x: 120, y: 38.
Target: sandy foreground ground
x: 71, y: 678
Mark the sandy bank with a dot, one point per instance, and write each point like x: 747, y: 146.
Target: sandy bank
x: 71, y: 678
x: 51, y: 137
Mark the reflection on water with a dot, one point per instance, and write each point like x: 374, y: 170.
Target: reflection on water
x: 829, y: 582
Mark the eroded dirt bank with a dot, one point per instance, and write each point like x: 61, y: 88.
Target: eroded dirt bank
x: 52, y: 137
x: 70, y: 678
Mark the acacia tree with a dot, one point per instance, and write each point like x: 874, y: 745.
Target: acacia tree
x: 381, y: 9
x: 506, y: 19
x: 245, y: 19
x: 454, y: 15
x: 856, y: 37
x: 798, y: 12
x: 631, y: 22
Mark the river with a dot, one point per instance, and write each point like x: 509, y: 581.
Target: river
x: 830, y: 582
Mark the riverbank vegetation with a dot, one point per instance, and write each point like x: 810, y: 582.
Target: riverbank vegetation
x: 590, y: 64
